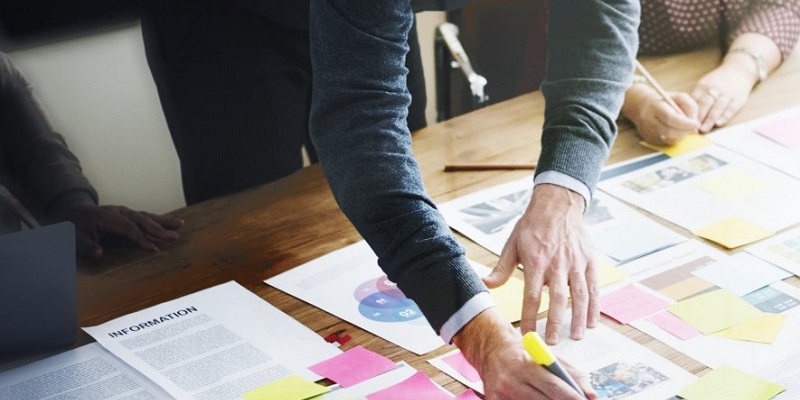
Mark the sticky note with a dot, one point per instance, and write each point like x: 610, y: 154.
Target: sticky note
x: 714, y: 311
x: 734, y: 184
x: 783, y: 132
x: 761, y: 330
x: 733, y: 232
x: 674, y: 325
x: 630, y: 303
x: 468, y: 395
x: 726, y: 382
x: 458, y: 362
x: 353, y: 366
x: 609, y: 273
x: 291, y: 387
x: 688, y: 144
x: 418, y: 386
x: 509, y: 299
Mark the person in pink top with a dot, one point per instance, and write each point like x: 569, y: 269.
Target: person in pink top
x: 755, y: 35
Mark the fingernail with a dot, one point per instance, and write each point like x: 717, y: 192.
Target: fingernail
x: 579, y: 332
x: 552, y: 338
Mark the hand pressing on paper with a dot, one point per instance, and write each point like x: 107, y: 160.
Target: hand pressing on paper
x: 721, y: 94
x: 94, y: 224
x: 552, y: 245
x: 495, y: 348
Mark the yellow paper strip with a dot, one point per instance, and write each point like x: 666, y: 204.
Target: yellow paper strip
x: 688, y: 144
x: 761, y: 330
x: 714, y: 311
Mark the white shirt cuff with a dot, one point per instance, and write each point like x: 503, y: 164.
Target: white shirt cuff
x: 566, y: 181
x: 466, y: 313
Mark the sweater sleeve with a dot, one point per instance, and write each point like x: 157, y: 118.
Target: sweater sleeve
x: 358, y: 125
x: 588, y: 70
x: 777, y: 19
x: 35, y: 155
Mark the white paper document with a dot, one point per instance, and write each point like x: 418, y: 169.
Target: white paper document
x: 213, y: 344
x: 88, y: 372
x: 782, y: 250
x: 349, y: 284
x: 616, y: 230
x: 744, y: 139
x: 711, y: 186
x: 618, y: 367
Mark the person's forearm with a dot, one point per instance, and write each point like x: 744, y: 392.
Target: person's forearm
x: 358, y: 124
x: 744, y: 51
x: 589, y: 70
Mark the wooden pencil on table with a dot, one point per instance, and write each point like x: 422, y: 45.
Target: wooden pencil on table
x: 487, y: 166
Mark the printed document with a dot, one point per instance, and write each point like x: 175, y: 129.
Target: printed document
x: 214, y: 344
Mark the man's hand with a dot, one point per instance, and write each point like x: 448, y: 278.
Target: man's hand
x: 494, y: 347
x: 552, y: 245
x: 95, y: 223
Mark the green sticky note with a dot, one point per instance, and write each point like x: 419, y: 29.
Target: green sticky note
x: 714, y: 311
x: 730, y: 383
x: 292, y: 387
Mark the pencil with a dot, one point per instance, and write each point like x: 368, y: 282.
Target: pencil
x: 652, y: 82
x: 486, y: 167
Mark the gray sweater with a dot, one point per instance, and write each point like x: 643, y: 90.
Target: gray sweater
x: 358, y: 127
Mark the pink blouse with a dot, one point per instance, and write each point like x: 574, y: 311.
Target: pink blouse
x: 670, y: 26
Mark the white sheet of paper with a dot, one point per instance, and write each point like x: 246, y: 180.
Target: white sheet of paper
x: 618, y: 367
x: 349, y: 284
x: 782, y: 250
x: 742, y: 273
x: 84, y: 372
x: 618, y: 231
x: 700, y: 188
x: 213, y: 344
x: 743, y: 139
x: 785, y: 373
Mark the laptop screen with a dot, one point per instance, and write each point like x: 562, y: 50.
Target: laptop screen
x: 38, y: 306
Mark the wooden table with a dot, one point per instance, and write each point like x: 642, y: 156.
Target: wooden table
x: 250, y: 236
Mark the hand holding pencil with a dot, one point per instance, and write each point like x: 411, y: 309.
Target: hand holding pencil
x: 661, y: 118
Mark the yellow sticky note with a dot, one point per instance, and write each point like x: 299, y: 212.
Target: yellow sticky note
x: 726, y: 382
x: 609, y: 273
x: 714, y: 311
x: 761, y: 330
x: 292, y: 387
x: 688, y: 144
x: 733, y: 232
x: 733, y: 185
x: 509, y: 299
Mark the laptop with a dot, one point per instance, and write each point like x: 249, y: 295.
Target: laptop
x: 38, y: 296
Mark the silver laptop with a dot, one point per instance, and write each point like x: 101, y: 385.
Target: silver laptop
x: 38, y: 306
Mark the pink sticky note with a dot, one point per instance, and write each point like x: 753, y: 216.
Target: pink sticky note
x: 353, y: 366
x: 418, y: 387
x: 674, y: 325
x: 630, y: 303
x: 783, y: 131
x: 462, y: 366
x: 468, y: 395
